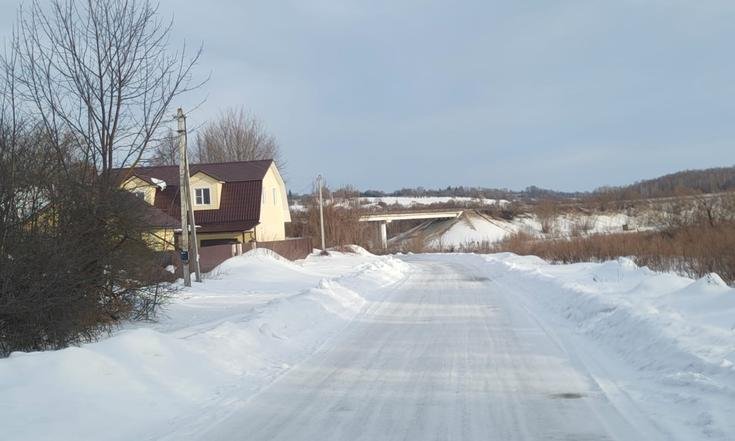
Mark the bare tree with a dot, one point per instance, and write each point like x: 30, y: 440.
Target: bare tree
x: 100, y: 71
x: 84, y: 88
x: 166, y: 151
x: 236, y: 136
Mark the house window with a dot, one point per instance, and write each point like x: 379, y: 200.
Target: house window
x: 139, y: 194
x: 201, y: 196
x: 274, y: 196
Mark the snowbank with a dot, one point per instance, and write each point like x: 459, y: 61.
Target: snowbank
x: 251, y: 320
x: 674, y: 337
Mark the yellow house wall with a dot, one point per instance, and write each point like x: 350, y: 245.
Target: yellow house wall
x: 273, y: 209
x: 202, y: 180
x: 161, y: 240
x: 135, y: 184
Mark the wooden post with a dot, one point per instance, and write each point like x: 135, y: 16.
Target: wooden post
x: 190, y: 210
x: 321, y: 212
x: 184, y: 245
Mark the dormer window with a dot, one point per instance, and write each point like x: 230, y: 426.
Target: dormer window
x: 201, y: 196
x: 139, y: 194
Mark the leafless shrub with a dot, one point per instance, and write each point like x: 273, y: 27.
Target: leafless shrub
x: 416, y: 244
x: 342, y: 224
x: 546, y: 212
x: 84, y: 88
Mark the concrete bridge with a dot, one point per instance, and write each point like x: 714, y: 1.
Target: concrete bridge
x: 385, y: 218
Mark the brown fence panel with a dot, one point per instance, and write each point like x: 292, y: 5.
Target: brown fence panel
x: 292, y: 248
x: 210, y: 257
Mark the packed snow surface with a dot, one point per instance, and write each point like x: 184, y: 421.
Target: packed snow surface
x: 434, y: 346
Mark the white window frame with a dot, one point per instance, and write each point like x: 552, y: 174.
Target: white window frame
x: 199, y: 194
x: 274, y: 195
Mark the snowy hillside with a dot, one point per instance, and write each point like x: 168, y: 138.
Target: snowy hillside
x: 473, y: 228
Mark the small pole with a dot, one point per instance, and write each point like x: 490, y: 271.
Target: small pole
x: 321, y: 211
x: 184, y: 245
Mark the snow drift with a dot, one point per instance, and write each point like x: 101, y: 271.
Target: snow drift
x: 252, y: 319
x: 668, y: 341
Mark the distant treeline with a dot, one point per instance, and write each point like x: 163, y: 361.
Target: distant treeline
x: 531, y: 192
x: 712, y: 180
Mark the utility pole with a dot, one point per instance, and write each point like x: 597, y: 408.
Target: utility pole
x: 321, y: 211
x: 190, y: 210
x: 187, y: 211
x: 184, y: 245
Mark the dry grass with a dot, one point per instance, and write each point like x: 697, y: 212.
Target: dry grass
x: 693, y: 250
x: 341, y: 227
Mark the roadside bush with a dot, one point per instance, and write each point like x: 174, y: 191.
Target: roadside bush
x: 76, y: 269
x: 85, y: 88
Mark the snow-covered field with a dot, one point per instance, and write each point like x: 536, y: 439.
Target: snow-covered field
x: 411, y: 202
x: 356, y: 346
x: 406, y: 201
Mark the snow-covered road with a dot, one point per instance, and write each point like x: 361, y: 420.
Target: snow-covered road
x: 444, y: 354
x: 354, y: 346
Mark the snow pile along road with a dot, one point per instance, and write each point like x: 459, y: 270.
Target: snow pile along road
x: 356, y: 346
x: 655, y: 342
x: 220, y: 343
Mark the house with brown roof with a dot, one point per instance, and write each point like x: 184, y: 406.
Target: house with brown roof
x: 233, y: 202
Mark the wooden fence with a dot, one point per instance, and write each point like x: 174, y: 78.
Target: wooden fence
x: 292, y: 248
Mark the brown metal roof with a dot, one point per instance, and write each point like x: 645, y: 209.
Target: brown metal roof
x: 160, y: 219
x: 152, y: 216
x: 240, y: 200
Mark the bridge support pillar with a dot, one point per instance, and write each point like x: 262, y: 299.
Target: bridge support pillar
x: 384, y: 234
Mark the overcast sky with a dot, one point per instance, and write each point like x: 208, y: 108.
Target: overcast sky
x: 380, y: 94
